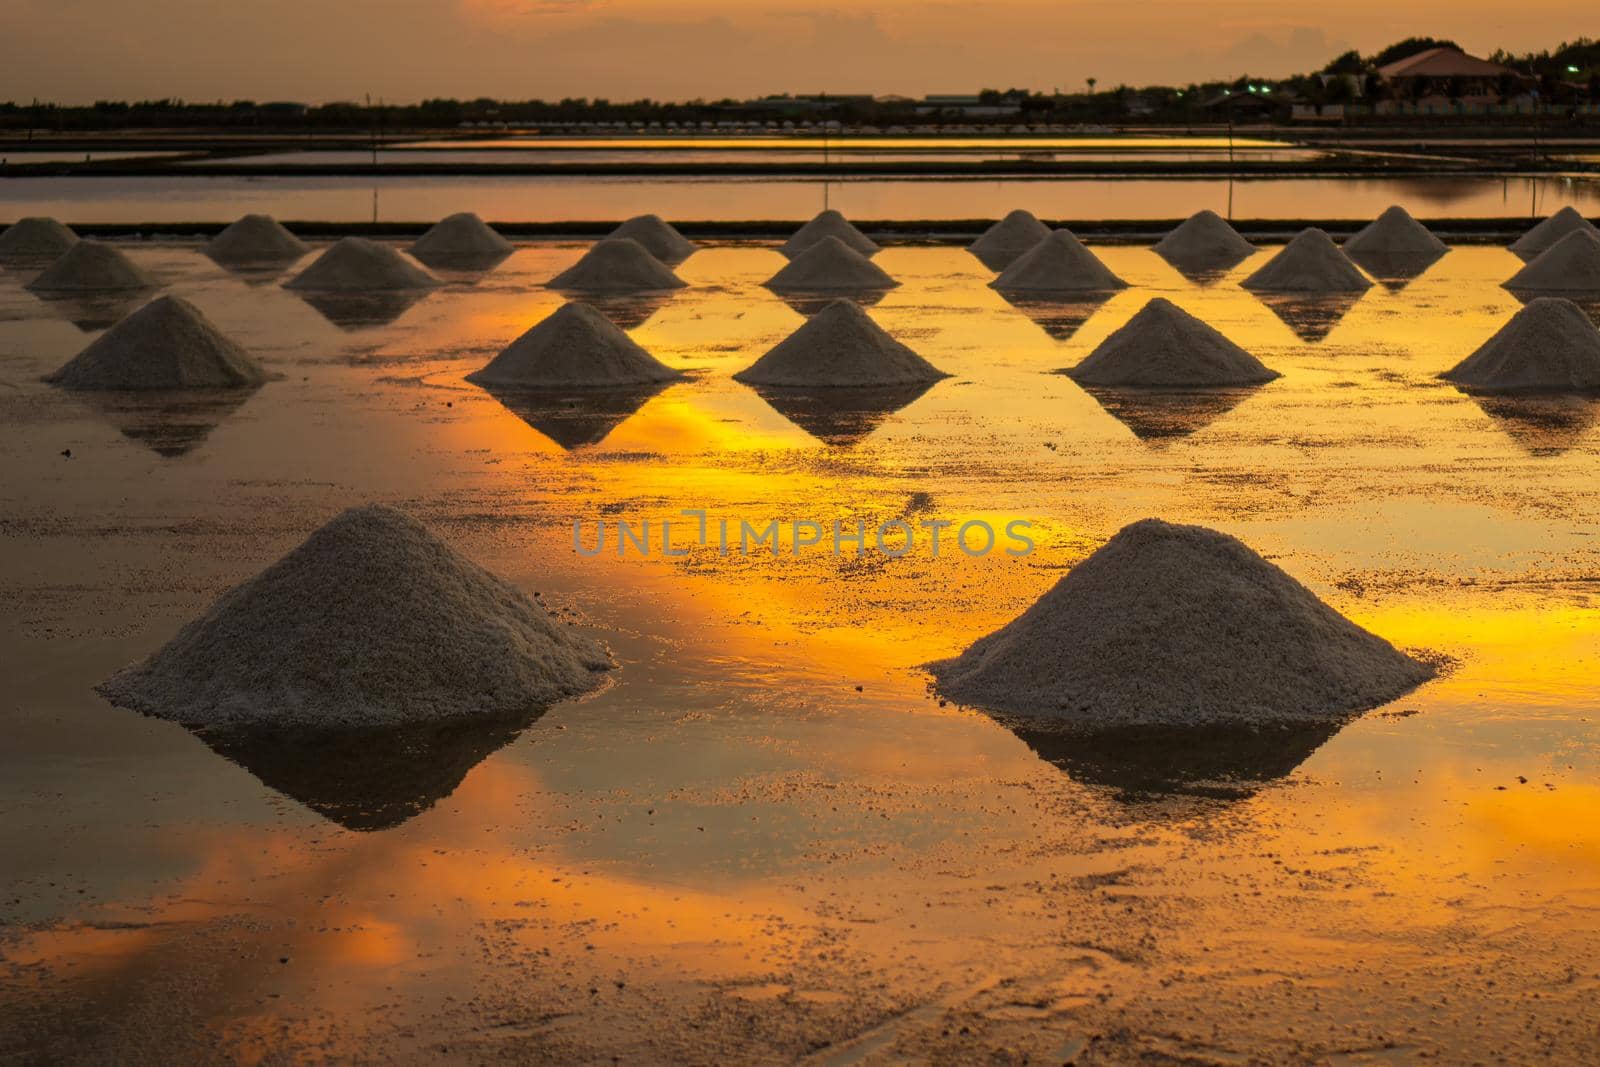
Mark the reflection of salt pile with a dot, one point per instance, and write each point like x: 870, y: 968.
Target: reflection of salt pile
x: 1059, y: 263
x: 255, y: 239
x: 1004, y: 242
x: 617, y: 265
x: 828, y: 224
x: 1572, y: 264
x: 658, y: 236
x: 1551, y: 230
x: 575, y: 348
x: 1163, y: 345
x: 839, y: 347
x: 1392, y: 233
x: 355, y: 264
x: 372, y: 621
x: 167, y: 344
x: 462, y: 236
x: 1311, y: 263
x: 1549, y: 346
x: 1203, y: 241
x: 35, y: 239
x: 1179, y: 625
x: 91, y: 267
x: 830, y: 264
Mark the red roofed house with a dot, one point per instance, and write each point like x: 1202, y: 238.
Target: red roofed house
x: 1443, y: 81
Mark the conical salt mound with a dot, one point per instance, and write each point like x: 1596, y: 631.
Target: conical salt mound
x: 830, y: 265
x: 167, y: 344
x: 659, y: 238
x: 1571, y: 265
x: 839, y: 347
x: 34, y: 240
x: 1178, y: 625
x: 91, y: 267
x: 372, y: 621
x: 1165, y: 346
x: 1550, y: 346
x: 462, y: 236
x: 355, y: 264
x: 1205, y: 240
x: 255, y: 239
x: 576, y: 348
x: 828, y: 224
x: 1551, y: 230
x: 1394, y: 232
x: 1311, y: 263
x: 1058, y: 264
x: 617, y: 265
x: 1007, y: 240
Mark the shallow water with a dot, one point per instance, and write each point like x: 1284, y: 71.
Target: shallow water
x: 765, y: 841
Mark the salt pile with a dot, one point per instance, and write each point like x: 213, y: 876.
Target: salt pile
x: 255, y: 239
x: 355, y: 264
x: 659, y: 238
x: 617, y: 265
x: 462, y: 236
x: 1549, y: 346
x: 839, y: 347
x: 1059, y: 263
x: 1005, y: 242
x: 1551, y: 230
x: 35, y: 239
x: 1204, y: 240
x: 372, y: 621
x: 830, y: 264
x: 1178, y: 625
x: 1572, y: 264
x: 167, y: 344
x: 1311, y: 263
x: 575, y: 348
x: 1165, y: 346
x: 828, y: 224
x: 1394, y: 232
x: 91, y: 267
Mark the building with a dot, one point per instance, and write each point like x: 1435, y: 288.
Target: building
x: 1445, y: 81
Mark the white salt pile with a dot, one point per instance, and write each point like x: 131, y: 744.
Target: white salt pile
x: 372, y: 621
x: 91, y: 267
x: 828, y: 224
x: 1311, y: 263
x: 355, y: 264
x: 1178, y: 625
x: 1571, y: 265
x: 1007, y: 240
x: 617, y: 265
x: 1550, y: 346
x: 659, y: 238
x: 1058, y: 264
x: 462, y: 236
x: 1394, y: 232
x: 255, y: 240
x: 167, y: 344
x: 1205, y: 240
x: 576, y: 348
x: 35, y: 239
x: 1165, y: 346
x: 827, y: 266
x: 1551, y: 230
x: 839, y: 347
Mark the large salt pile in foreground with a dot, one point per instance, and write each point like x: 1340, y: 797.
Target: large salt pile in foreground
x: 830, y: 264
x: 1007, y: 240
x: 35, y: 239
x: 1204, y: 241
x: 167, y: 344
x: 372, y: 621
x: 355, y: 264
x: 253, y: 240
x: 839, y: 347
x: 1178, y: 625
x: 1058, y: 264
x: 617, y: 265
x: 1394, y: 232
x: 1572, y: 264
x: 1550, y: 346
x: 659, y: 238
x: 828, y: 224
x: 575, y: 348
x: 91, y: 267
x: 1311, y: 263
x: 1165, y: 346
x: 1551, y: 230
x: 460, y: 237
